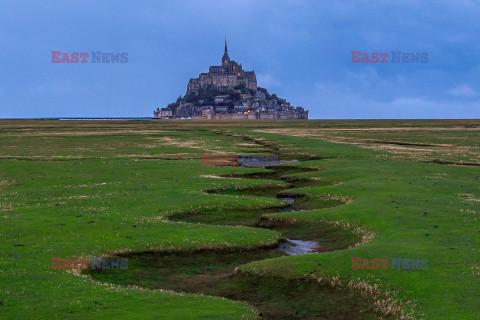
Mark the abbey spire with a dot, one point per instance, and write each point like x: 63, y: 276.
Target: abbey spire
x: 225, y: 58
x: 228, y: 75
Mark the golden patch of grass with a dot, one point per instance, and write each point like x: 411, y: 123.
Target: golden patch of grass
x: 217, y: 177
x: 246, y: 144
x: 51, y: 158
x: 4, y: 184
x: 469, y: 211
x: 475, y: 269
x: 364, y: 235
x: 78, y: 197
x: 6, y: 207
x: 193, y: 144
x: 343, y: 199
x: 82, y: 133
x: 398, y: 149
x: 468, y: 197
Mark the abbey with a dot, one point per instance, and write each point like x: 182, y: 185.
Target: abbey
x: 228, y: 92
x: 227, y: 76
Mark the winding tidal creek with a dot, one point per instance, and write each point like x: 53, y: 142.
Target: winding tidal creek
x: 217, y: 272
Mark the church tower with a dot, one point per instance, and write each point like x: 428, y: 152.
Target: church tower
x: 225, y: 58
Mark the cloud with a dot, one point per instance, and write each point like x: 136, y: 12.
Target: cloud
x: 58, y: 87
x: 462, y: 91
x: 291, y: 44
x: 340, y: 101
x: 266, y: 80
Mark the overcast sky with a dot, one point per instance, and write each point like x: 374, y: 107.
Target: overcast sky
x: 300, y: 50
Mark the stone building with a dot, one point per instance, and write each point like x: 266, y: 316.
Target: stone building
x: 162, y: 113
x: 226, y: 76
x: 210, y: 114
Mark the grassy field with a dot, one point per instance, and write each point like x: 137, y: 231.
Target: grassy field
x: 137, y: 189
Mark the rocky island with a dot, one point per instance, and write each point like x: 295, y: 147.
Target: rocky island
x: 229, y: 92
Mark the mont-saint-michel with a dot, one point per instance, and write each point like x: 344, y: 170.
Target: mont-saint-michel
x: 229, y: 92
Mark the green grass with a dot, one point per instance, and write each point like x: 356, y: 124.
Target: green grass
x: 65, y: 193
